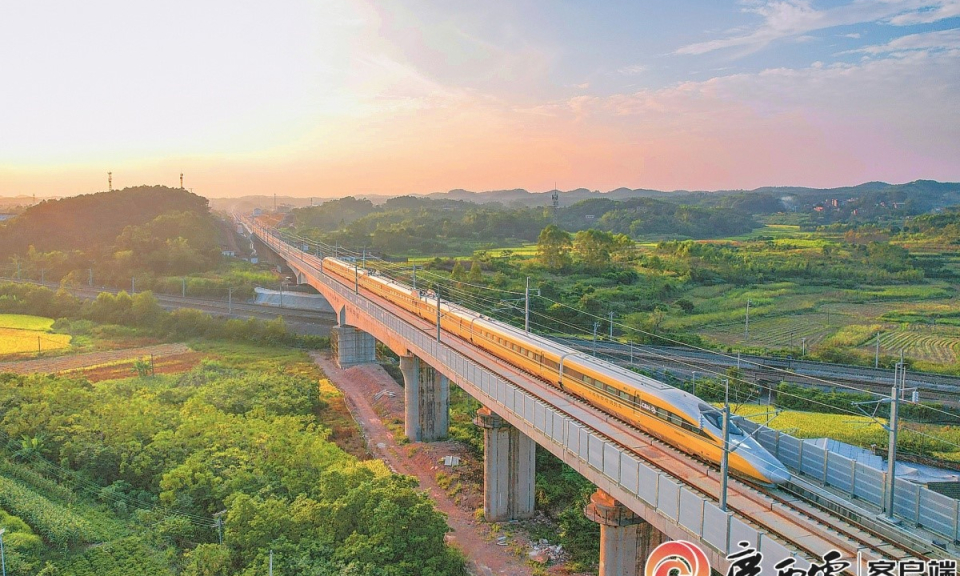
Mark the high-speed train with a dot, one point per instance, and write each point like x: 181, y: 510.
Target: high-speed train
x: 674, y: 416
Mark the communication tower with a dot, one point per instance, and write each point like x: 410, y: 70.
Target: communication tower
x: 110, y: 181
x: 556, y: 202
x: 181, y: 180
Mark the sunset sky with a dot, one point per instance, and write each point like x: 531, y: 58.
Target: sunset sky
x: 337, y: 97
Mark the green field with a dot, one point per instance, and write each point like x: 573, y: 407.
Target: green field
x: 21, y: 334
x: 932, y: 440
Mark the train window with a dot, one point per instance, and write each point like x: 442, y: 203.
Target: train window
x: 551, y: 363
x: 674, y: 419
x: 625, y: 395
x: 573, y: 374
x: 610, y: 389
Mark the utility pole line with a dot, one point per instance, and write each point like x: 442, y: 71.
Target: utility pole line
x: 899, y: 378
x: 746, y: 322
x: 230, y: 300
x: 611, y: 325
x: 724, y: 461
x: 526, y: 307
x: 803, y: 347
x: 438, y: 311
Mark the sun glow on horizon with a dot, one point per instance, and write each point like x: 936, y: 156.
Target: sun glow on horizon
x: 403, y: 96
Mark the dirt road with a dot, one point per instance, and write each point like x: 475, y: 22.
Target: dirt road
x: 376, y: 402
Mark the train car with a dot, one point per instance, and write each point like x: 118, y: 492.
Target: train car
x: 674, y: 416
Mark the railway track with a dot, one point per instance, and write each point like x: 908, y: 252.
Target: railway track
x: 214, y: 306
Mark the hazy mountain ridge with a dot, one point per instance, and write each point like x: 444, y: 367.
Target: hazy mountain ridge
x: 928, y: 192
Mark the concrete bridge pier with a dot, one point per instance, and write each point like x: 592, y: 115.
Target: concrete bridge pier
x: 426, y: 397
x: 625, y: 538
x: 509, y: 465
x: 352, y: 346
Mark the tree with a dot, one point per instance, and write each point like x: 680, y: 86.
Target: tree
x: 459, y: 273
x: 476, y: 273
x: 593, y: 247
x: 553, y: 247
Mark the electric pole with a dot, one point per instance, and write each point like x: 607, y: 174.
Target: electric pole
x: 899, y: 379
x: 595, y: 326
x: 526, y: 307
x: 746, y: 322
x: 110, y: 181
x: 437, y: 287
x: 611, y: 325
x: 724, y: 461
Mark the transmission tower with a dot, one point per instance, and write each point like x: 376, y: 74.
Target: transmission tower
x: 110, y: 181
x: 181, y: 180
x: 556, y: 203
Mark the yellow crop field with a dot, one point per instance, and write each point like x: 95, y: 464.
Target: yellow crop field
x: 20, y: 334
x: 25, y: 322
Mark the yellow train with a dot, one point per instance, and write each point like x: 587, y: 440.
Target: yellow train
x: 674, y: 416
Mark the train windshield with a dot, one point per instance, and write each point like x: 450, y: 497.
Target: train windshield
x: 715, y: 417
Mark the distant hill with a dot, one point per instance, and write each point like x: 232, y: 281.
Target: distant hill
x: 925, y: 195
x: 92, y: 221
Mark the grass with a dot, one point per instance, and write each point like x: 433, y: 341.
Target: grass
x: 58, y: 525
x: 23, y: 334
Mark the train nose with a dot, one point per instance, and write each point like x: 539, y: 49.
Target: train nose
x: 775, y: 472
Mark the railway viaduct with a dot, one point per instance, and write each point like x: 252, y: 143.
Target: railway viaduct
x: 647, y: 492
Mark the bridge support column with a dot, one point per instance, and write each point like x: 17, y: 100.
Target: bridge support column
x: 426, y: 396
x: 352, y: 346
x: 509, y: 464
x: 625, y: 538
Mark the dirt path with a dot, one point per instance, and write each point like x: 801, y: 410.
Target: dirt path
x: 77, y: 361
x: 376, y: 401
